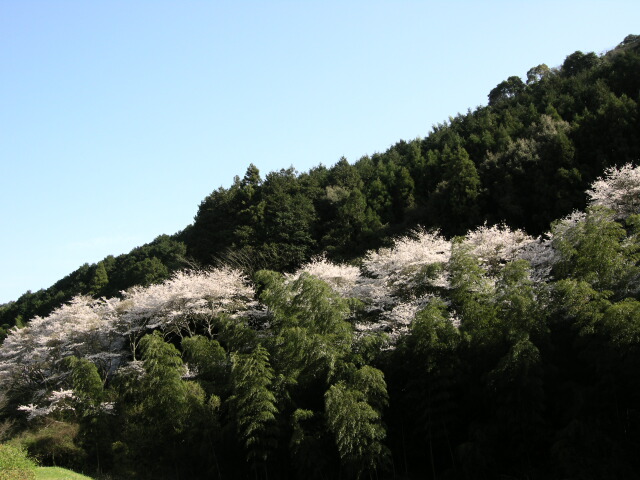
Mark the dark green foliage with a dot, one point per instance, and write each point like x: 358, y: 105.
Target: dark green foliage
x: 210, y: 361
x: 166, y: 391
x: 426, y: 368
x: 595, y: 251
x: 308, y: 445
x: 94, y: 434
x: 311, y: 334
x: 312, y: 345
x: 86, y: 382
x: 254, y: 405
x: 100, y: 279
x: 506, y: 90
x: 579, y: 62
x: 165, y: 416
x: 55, y: 444
x: 454, y: 201
x: 285, y: 236
x: 356, y: 427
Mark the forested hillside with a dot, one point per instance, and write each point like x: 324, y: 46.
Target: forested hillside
x: 525, y: 159
x: 462, y: 306
x: 493, y: 354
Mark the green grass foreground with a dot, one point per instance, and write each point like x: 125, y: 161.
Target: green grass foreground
x: 57, y: 473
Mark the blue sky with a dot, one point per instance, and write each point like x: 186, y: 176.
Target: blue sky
x: 118, y: 117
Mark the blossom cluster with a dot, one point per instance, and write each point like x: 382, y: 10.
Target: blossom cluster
x: 105, y: 331
x: 619, y: 190
x: 391, y: 284
x: 497, y: 244
x: 58, y: 400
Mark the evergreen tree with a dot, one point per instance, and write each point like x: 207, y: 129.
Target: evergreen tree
x: 100, y: 279
x: 454, y: 202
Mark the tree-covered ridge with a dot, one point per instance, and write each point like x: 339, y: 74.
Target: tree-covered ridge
x: 524, y: 160
x: 493, y: 353
x: 144, y: 265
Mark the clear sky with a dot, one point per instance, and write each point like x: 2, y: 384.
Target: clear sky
x: 118, y: 117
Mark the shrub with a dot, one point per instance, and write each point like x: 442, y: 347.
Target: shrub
x: 54, y: 445
x: 15, y: 465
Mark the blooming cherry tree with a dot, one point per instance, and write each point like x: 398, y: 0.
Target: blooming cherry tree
x: 58, y: 400
x: 103, y: 331
x: 618, y: 189
x: 496, y: 245
x: 403, y: 265
x: 391, y: 282
x: 83, y: 327
x: 187, y: 301
x: 342, y: 278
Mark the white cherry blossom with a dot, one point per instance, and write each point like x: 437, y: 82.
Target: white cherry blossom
x: 497, y: 244
x: 188, y: 299
x: 342, y: 278
x: 402, y: 264
x: 618, y: 189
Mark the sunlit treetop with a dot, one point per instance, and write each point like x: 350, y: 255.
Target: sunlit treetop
x: 618, y: 189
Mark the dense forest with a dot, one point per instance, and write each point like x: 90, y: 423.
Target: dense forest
x: 525, y: 159
x: 462, y: 306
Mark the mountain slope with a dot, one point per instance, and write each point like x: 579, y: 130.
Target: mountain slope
x: 491, y: 354
x: 525, y: 159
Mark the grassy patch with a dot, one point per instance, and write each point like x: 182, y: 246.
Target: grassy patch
x: 57, y: 473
